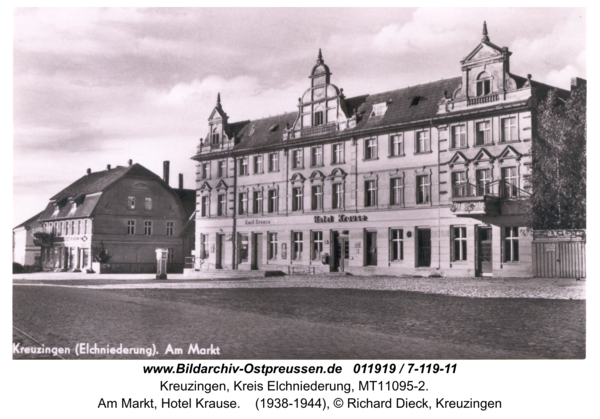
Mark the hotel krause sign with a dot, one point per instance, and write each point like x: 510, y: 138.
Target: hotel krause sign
x: 340, y: 219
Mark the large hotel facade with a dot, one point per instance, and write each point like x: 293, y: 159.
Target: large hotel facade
x: 426, y: 180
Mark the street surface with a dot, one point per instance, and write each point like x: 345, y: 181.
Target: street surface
x: 298, y: 323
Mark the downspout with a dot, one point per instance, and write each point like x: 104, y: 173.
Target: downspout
x: 439, y: 196
x: 234, y: 240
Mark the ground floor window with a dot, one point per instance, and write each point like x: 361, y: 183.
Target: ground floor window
x: 243, y: 248
x: 296, y: 245
x: 459, y: 239
x: 272, y: 246
x: 396, y: 245
x: 170, y: 254
x: 423, y: 247
x: 317, y: 244
x: 511, y: 244
x: 203, y: 246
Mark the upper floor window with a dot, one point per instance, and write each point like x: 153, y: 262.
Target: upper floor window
x: 379, y: 109
x: 484, y: 85
x: 130, y: 227
x: 205, y: 206
x: 147, y: 228
x: 337, y: 196
x: 317, y: 198
x: 297, y: 199
x: 222, y: 205
x: 131, y: 202
x: 148, y: 204
x: 396, y: 145
x: 242, y: 203
x: 370, y: 193
x: 318, y: 118
x: 169, y: 228
x: 243, y: 166
x: 371, y: 149
x: 459, y: 184
x: 205, y: 170
x: 337, y: 153
x: 459, y: 136
x: 215, y: 137
x: 510, y: 182
x: 79, y: 227
x: 423, y: 189
x: 316, y: 156
x: 297, y: 159
x: 483, y: 180
x: 85, y: 227
x: 423, y: 143
x: 273, y: 162
x: 257, y: 202
x: 397, y: 191
x: 222, y: 168
x: 273, y: 200
x: 258, y: 163
x: 484, y: 133
x: 509, y: 129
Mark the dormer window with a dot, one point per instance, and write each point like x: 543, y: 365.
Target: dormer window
x: 484, y: 85
x: 379, y: 109
x: 215, y: 137
x: 415, y: 101
x: 318, y: 118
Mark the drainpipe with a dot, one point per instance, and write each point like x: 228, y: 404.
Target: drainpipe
x: 234, y: 240
x: 439, y: 196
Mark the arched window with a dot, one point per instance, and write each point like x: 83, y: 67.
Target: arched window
x: 215, y: 136
x: 484, y: 84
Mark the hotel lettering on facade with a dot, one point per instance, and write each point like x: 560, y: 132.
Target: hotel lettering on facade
x: 424, y: 180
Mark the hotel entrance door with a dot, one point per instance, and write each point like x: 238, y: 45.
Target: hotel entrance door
x: 220, y: 248
x: 484, y: 251
x: 340, y: 252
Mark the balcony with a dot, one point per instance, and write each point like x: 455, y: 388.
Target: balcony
x: 483, y: 199
x: 482, y: 99
x: 321, y: 129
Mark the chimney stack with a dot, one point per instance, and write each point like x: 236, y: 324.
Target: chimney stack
x: 89, y: 171
x: 166, y: 171
x: 577, y: 82
x: 108, y: 167
x: 129, y: 162
x: 180, y: 181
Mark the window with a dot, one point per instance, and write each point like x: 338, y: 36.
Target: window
x: 510, y: 182
x: 243, y: 166
x: 484, y: 86
x: 423, y: 187
x: 396, y: 244
x: 73, y: 228
x: 511, y: 244
x: 147, y: 228
x: 130, y: 227
x: 423, y: 144
x: 484, y: 134
x: 169, y: 228
x: 459, y: 239
x: 379, y: 109
x: 337, y: 154
x: 509, y: 129
x: 397, y: 191
x: 337, y: 197
x: 258, y: 164
x: 222, y: 168
x: 273, y: 207
x: 131, y: 202
x: 317, y: 198
x: 85, y: 224
x: 205, y: 206
x: 396, y: 145
x: 205, y: 170
x: 215, y: 137
x: 318, y: 118
x: 370, y: 193
x: 170, y: 254
x: 459, y: 184
x: 483, y: 179
x: 66, y: 228
x: 203, y: 246
x: 297, y: 199
x: 272, y: 246
x: 297, y: 159
x: 459, y: 136
x: 243, y: 248
x: 296, y: 245
x: 371, y: 149
x: 242, y: 203
x: 273, y: 162
x: 257, y: 202
x: 79, y: 227
x: 316, y: 156
x: 222, y: 208
x: 148, y: 204
x: 317, y: 245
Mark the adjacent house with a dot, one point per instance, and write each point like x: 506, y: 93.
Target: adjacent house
x: 25, y: 251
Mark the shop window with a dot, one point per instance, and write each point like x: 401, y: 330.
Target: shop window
x: 317, y: 245
x: 272, y: 246
x: 459, y: 240
x: 396, y: 244
x: 296, y: 245
x: 511, y: 244
x: 243, y: 248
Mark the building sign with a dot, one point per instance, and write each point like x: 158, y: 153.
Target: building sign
x: 257, y: 222
x: 341, y: 218
x: 550, y: 247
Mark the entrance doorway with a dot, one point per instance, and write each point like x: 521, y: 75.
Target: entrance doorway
x: 484, y: 251
x: 220, y: 251
x: 371, y: 248
x: 423, y: 247
x: 340, y: 252
x: 257, y: 245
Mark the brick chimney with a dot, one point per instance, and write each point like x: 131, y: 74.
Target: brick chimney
x: 129, y: 162
x: 108, y: 167
x: 577, y: 82
x: 166, y: 171
x: 180, y: 181
x: 89, y: 171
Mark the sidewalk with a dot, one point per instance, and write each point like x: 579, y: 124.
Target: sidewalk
x: 545, y: 288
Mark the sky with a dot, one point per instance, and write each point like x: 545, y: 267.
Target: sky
x: 93, y: 87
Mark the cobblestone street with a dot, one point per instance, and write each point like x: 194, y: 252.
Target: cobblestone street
x: 250, y: 321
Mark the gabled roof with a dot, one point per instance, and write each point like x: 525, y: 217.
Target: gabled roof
x: 30, y: 221
x: 188, y: 199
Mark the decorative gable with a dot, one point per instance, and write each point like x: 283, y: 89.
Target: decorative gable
x: 483, y: 156
x: 458, y: 158
x: 509, y: 153
x: 205, y: 187
x: 221, y: 186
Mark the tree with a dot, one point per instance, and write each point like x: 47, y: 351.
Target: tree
x: 559, y: 172
x: 100, y: 253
